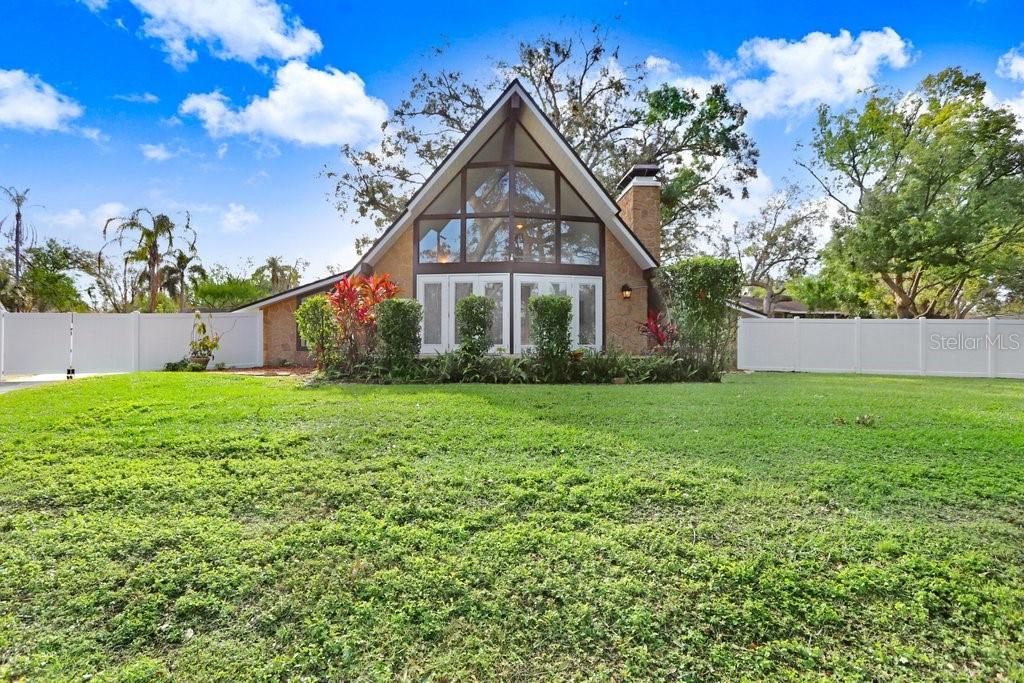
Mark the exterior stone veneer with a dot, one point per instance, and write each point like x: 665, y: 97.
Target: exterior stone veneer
x: 622, y: 315
x: 397, y: 262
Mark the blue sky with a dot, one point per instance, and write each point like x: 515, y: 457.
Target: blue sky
x: 230, y: 109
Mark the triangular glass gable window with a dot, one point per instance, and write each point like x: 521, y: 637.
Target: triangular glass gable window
x: 572, y: 204
x: 449, y: 201
x: 491, y: 151
x: 526, y: 149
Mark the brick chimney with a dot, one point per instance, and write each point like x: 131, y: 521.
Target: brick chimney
x: 640, y: 204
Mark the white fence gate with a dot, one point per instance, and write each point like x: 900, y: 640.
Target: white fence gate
x: 50, y: 343
x: 958, y: 348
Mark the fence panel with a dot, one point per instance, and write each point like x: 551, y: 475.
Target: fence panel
x: 961, y: 348
x: 43, y: 343
x: 103, y: 342
x: 36, y: 343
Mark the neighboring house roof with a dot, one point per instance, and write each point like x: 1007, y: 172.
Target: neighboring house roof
x: 551, y: 141
x: 787, y: 307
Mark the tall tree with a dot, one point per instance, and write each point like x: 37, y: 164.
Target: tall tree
x: 18, y: 233
x: 48, y: 280
x: 279, y: 275
x: 147, y: 239
x: 778, y: 244
x: 931, y: 185
x: 607, y: 112
x: 183, y: 268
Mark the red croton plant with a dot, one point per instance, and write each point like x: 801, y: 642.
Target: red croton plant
x: 659, y: 331
x: 354, y: 300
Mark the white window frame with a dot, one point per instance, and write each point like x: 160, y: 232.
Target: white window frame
x: 448, y: 282
x: 571, y: 284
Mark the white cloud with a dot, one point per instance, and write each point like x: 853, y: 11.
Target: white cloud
x: 777, y: 77
x: 68, y: 220
x: 1011, y: 65
x: 305, y: 105
x: 99, y: 216
x: 238, y: 218
x: 139, y: 98
x: 94, y: 134
x: 158, y: 152
x: 222, y: 150
x: 28, y: 103
x: 242, y: 30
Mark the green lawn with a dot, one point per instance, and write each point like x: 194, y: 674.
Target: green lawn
x: 227, y: 528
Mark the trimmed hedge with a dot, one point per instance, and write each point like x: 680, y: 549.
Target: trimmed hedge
x: 318, y: 329
x: 473, y: 318
x: 398, y: 335
x: 551, y: 315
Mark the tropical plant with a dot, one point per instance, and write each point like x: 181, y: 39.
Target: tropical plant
x: 204, y: 341
x: 147, y: 239
x: 318, y: 330
x: 354, y: 300
x: 17, y: 234
x: 176, y: 275
x: 278, y: 275
x: 660, y: 332
x: 222, y: 289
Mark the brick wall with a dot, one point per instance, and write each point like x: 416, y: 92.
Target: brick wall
x: 397, y: 262
x: 622, y: 315
x: 280, y: 337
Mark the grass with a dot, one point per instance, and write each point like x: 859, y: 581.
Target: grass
x: 226, y: 528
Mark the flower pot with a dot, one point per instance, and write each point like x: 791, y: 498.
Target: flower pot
x: 202, y: 361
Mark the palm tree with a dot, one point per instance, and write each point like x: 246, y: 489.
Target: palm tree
x: 18, y: 199
x: 155, y: 243
x: 178, y: 272
x: 281, y: 275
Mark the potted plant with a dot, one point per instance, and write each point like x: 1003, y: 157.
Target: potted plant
x: 203, y: 343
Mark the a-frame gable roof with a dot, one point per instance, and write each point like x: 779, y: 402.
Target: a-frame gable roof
x: 551, y: 142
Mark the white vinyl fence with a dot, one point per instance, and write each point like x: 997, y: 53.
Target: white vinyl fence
x: 50, y: 343
x: 959, y: 348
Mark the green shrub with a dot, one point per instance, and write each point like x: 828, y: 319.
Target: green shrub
x: 473, y: 318
x: 697, y: 292
x: 398, y: 335
x: 318, y: 330
x: 551, y: 315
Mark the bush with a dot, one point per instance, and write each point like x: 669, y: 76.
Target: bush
x: 473, y: 318
x: 318, y: 330
x: 398, y: 335
x: 698, y: 292
x: 551, y: 315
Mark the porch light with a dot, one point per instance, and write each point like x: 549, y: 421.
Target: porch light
x: 627, y: 292
x: 519, y: 226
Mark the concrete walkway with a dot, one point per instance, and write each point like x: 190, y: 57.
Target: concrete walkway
x: 6, y: 387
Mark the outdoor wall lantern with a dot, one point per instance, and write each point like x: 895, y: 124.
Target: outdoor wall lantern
x: 627, y: 292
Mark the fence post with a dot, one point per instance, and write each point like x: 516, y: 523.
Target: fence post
x: 990, y: 344
x: 922, y: 351
x: 136, y: 340
x: 856, y: 345
x: 796, y: 343
x: 3, y: 341
x: 259, y: 338
x: 71, y: 346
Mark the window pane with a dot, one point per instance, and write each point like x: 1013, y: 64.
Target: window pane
x: 526, y: 149
x: 440, y: 241
x: 449, y: 200
x: 491, y: 151
x: 487, y: 190
x: 526, y: 290
x: 487, y: 239
x: 581, y: 243
x: 432, y: 292
x: 533, y: 240
x: 535, y: 190
x: 462, y: 290
x: 572, y: 205
x: 588, y: 314
x: 496, y: 292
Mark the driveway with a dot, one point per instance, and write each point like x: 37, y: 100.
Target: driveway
x: 6, y: 387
